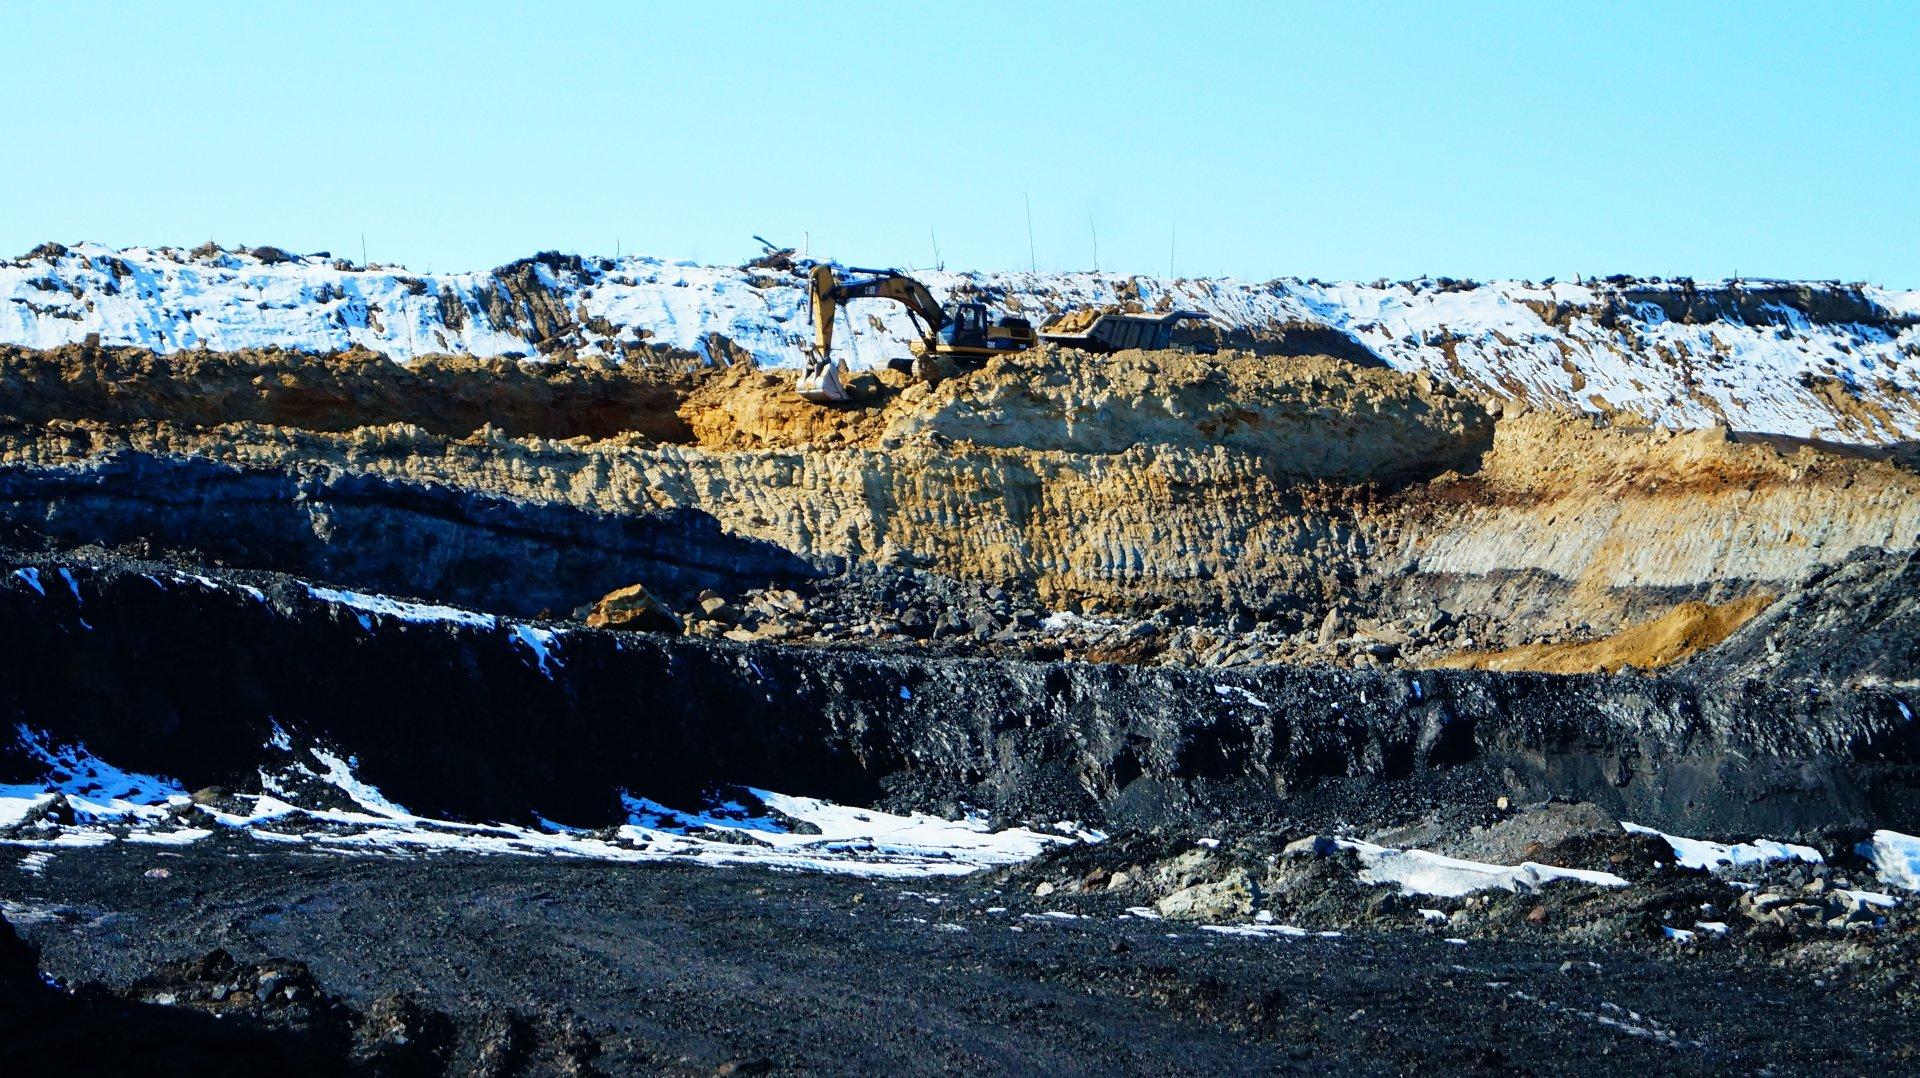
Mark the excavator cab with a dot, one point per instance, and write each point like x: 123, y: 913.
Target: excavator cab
x: 971, y: 334
x: 966, y: 326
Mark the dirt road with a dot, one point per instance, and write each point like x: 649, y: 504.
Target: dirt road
x: 687, y: 970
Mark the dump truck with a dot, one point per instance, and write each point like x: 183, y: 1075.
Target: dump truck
x: 1109, y: 329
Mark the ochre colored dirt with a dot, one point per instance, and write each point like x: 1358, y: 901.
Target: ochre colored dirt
x: 1679, y: 634
x: 1299, y: 416
x: 447, y: 395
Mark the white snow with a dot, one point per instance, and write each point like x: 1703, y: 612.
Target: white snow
x: 1258, y: 931
x: 180, y: 837
x: 877, y: 836
x: 16, y: 801
x: 1896, y: 857
x: 1418, y: 872
x: 541, y: 642
x: 401, y: 609
x: 340, y: 774
x: 1235, y: 690
x: 1548, y: 342
x: 774, y: 830
x: 1871, y: 898
x: 1699, y: 853
x: 95, y: 790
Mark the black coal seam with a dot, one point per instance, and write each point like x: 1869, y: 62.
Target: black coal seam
x: 458, y: 721
x: 573, y: 524
x: 686, y: 545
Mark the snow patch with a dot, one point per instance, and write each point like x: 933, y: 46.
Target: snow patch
x: 93, y: 788
x: 1701, y: 854
x: 541, y: 642
x: 401, y: 609
x: 340, y: 774
x: 1896, y: 857
x: 757, y: 827
x: 807, y: 829
x: 1267, y: 931
x: 1418, y: 872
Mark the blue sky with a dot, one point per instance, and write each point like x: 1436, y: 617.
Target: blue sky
x: 1253, y: 140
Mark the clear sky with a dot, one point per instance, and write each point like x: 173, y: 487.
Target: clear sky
x: 1337, y: 140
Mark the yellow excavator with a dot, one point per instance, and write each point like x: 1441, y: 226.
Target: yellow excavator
x: 961, y: 334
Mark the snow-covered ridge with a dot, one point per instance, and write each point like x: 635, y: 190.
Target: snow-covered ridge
x: 1798, y: 358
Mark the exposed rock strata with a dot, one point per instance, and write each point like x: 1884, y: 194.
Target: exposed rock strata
x: 1285, y: 490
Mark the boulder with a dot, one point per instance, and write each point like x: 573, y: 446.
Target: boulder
x: 633, y: 608
x: 1233, y: 897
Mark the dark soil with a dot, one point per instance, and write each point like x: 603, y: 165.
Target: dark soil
x: 499, y: 965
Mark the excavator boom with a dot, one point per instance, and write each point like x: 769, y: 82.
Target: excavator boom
x: 822, y: 380
x: 828, y: 293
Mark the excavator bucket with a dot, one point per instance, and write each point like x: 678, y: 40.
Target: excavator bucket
x: 823, y: 382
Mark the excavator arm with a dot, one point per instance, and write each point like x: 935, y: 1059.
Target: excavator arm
x: 827, y: 293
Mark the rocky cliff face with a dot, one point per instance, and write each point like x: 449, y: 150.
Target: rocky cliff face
x: 1622, y: 521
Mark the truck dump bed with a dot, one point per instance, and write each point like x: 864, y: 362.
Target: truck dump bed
x: 1111, y: 331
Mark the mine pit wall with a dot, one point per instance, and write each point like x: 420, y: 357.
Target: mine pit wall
x: 1151, y: 526
x: 365, y: 531
x: 159, y: 673
x: 1138, y: 481
x: 1142, y: 528
x: 1566, y: 524
x: 1604, y: 559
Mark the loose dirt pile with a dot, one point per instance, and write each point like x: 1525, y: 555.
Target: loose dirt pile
x: 1680, y: 634
x: 1301, y: 417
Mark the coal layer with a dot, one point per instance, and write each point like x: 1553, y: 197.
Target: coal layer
x: 453, y: 545
x: 157, y: 671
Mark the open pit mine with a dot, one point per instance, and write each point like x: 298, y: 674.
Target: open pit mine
x: 509, y: 672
